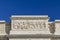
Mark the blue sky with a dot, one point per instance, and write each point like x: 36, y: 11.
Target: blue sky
x: 29, y: 7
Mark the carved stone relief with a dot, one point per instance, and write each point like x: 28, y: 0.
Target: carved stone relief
x: 28, y: 24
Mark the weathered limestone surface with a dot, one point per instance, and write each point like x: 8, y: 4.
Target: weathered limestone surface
x: 29, y: 25
x: 57, y: 27
x: 2, y: 27
x: 2, y: 30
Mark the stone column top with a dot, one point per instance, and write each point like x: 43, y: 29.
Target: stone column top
x: 57, y: 21
x: 50, y: 22
x: 29, y: 17
x: 2, y: 21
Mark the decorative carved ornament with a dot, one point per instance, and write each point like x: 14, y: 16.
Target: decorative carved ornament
x: 28, y: 24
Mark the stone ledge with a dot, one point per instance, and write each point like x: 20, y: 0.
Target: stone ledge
x: 28, y: 32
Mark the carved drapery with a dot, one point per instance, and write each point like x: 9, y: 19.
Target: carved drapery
x: 27, y: 24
